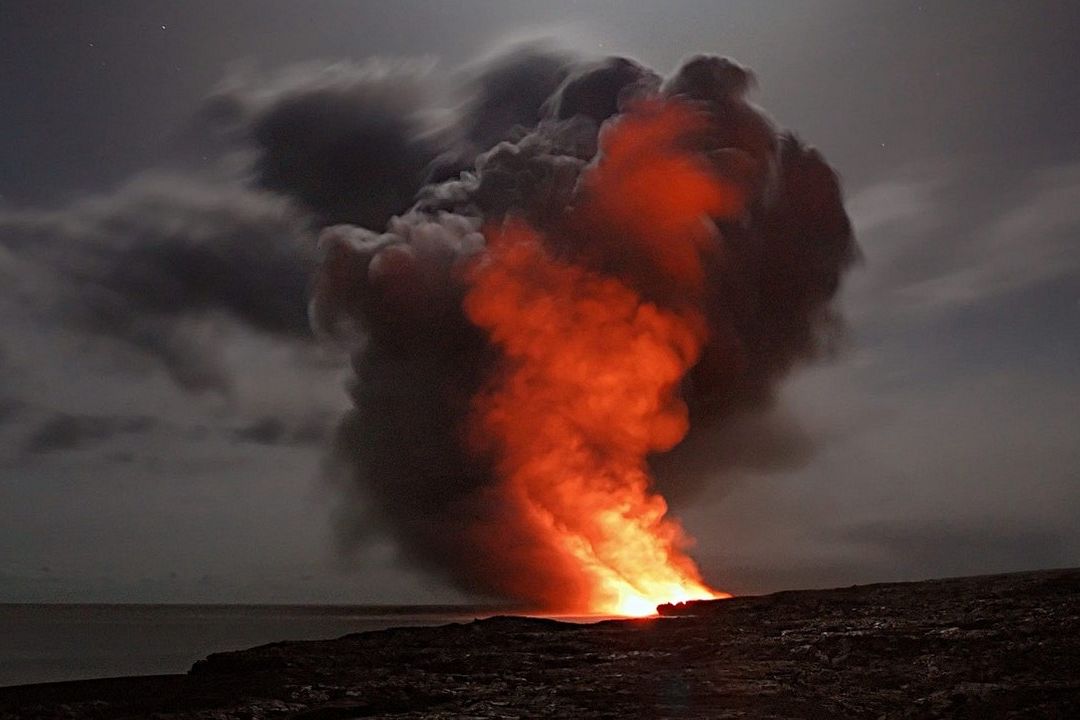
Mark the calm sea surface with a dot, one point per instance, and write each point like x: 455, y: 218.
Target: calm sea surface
x: 45, y: 643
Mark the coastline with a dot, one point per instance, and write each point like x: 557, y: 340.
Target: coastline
x: 987, y: 646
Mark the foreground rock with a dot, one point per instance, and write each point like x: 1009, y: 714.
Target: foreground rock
x: 988, y: 647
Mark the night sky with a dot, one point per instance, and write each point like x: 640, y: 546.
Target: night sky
x: 163, y: 432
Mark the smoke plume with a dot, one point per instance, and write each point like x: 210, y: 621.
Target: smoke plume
x: 605, y: 274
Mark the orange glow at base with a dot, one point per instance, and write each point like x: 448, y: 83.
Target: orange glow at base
x: 590, y: 381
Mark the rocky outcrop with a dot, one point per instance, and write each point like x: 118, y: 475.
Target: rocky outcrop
x: 1005, y: 646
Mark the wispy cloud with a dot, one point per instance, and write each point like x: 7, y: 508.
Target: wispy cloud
x: 927, y: 252
x: 1033, y: 241
x: 64, y: 431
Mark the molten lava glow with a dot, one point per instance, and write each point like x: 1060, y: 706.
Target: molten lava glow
x: 590, y: 381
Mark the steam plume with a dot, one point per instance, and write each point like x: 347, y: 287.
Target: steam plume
x: 655, y: 251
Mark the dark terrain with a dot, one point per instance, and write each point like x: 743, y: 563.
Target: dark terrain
x: 1000, y: 646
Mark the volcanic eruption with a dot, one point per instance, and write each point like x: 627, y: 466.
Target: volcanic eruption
x: 629, y: 259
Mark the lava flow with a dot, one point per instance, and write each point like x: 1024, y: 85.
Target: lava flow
x: 589, y: 384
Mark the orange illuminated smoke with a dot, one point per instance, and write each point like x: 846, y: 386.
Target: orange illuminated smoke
x: 590, y: 380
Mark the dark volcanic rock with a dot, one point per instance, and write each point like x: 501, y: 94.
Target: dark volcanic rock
x: 1005, y: 646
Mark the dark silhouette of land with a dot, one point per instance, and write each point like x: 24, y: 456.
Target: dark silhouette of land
x: 1001, y: 646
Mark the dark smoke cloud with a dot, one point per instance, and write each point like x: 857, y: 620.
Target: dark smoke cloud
x: 755, y: 440
x: 396, y: 296
x: 529, y: 132
x: 156, y: 263
x: 598, y: 90
x: 350, y: 142
x: 503, y: 100
x: 405, y: 186
x: 148, y: 263
x: 64, y: 431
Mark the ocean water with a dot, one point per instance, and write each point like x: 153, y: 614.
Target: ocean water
x: 47, y: 643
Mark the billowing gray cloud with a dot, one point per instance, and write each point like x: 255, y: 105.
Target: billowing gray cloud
x: 149, y: 263
x: 770, y: 275
x: 504, y: 98
x: 349, y: 142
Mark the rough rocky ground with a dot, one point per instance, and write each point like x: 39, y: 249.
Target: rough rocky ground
x: 1005, y: 646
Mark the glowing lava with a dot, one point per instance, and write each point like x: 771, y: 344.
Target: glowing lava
x: 590, y: 380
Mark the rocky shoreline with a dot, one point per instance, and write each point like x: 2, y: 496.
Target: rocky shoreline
x: 1002, y: 646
